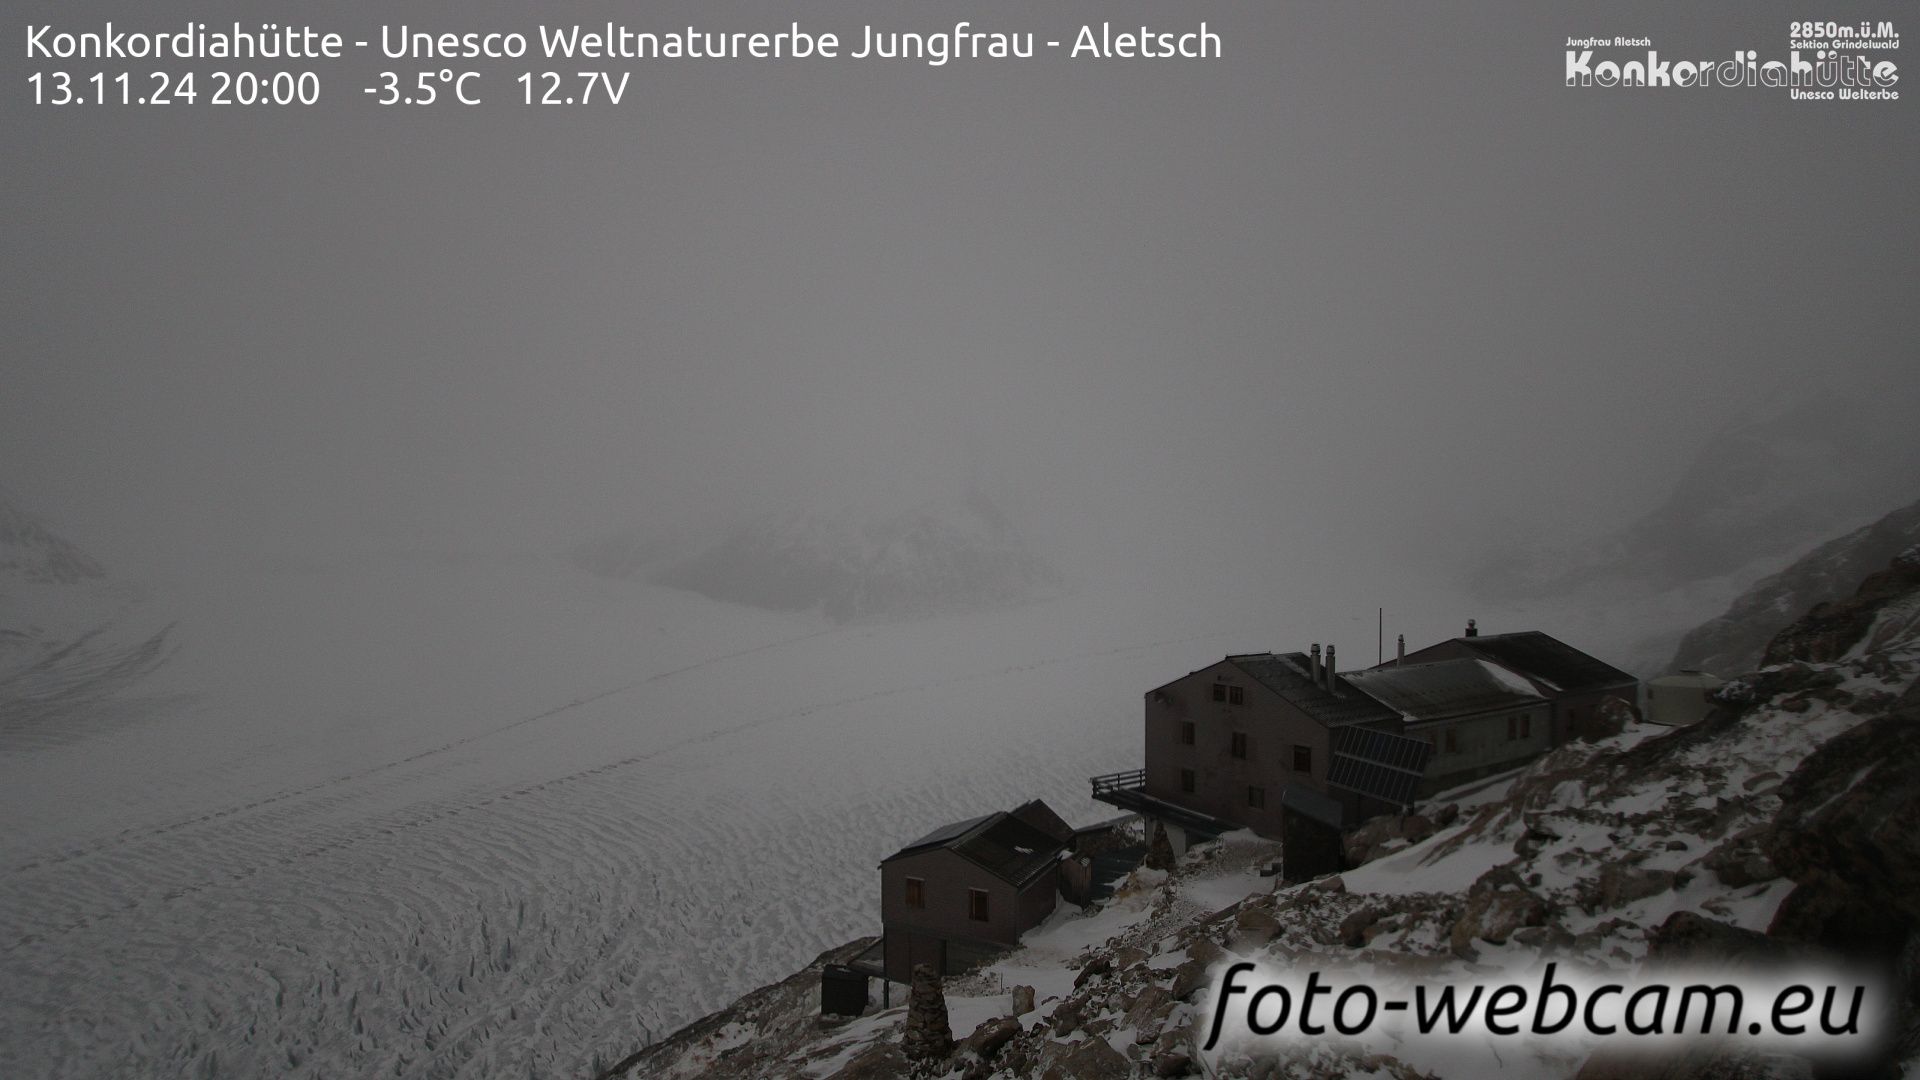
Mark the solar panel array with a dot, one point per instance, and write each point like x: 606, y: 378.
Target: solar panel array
x: 1379, y: 764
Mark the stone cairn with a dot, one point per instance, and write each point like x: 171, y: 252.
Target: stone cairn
x: 927, y: 1036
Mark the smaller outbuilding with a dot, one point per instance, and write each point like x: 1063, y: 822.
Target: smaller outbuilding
x: 1682, y: 698
x: 965, y: 892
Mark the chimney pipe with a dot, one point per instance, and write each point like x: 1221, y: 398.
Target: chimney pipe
x: 1331, y: 670
x: 1313, y: 665
x: 1472, y: 630
x: 1400, y: 651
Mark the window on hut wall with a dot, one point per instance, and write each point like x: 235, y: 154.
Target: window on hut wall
x: 1186, y: 781
x: 1257, y: 797
x: 916, y: 892
x: 1219, y: 691
x: 977, y: 905
x: 1519, y: 727
x: 1239, y: 748
x: 1186, y: 733
x: 1453, y: 741
x: 1303, y: 759
x: 1236, y: 695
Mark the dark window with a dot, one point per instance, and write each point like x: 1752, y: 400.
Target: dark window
x: 1257, y: 797
x: 1453, y: 741
x: 1303, y: 759
x: 977, y: 905
x: 1236, y: 695
x: 1526, y: 725
x: 1186, y: 733
x: 916, y: 893
x: 1520, y: 727
x: 1240, y: 744
x: 1219, y: 691
x: 1186, y: 781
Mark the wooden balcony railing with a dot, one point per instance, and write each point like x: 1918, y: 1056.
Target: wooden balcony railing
x: 1120, y: 781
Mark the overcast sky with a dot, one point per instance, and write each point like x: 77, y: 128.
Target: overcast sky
x: 1374, y: 271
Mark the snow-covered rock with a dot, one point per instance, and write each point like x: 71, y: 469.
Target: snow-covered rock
x: 1734, y: 640
x: 1779, y: 824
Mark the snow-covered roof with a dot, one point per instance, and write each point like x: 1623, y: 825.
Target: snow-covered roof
x: 1548, y: 661
x: 999, y: 843
x: 1444, y: 689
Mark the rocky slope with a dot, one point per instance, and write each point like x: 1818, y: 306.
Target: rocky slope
x: 1734, y: 640
x: 1761, y: 492
x: 1762, y: 489
x: 1787, y: 823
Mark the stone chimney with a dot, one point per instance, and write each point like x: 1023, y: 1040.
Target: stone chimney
x: 1400, y: 651
x: 1313, y: 664
x: 1472, y: 629
x: 1331, y: 670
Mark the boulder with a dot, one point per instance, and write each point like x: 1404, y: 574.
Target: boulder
x: 1022, y: 1000
x: 1149, y: 1013
x: 1740, y: 861
x: 1498, y: 904
x: 1252, y: 928
x: 1090, y: 1059
x: 1417, y: 827
x: 1172, y: 1063
x: 1621, y: 885
x: 1333, y: 883
x: 1691, y: 938
x: 1188, y: 979
x: 1353, y: 929
x: 1363, y: 843
x: 988, y: 1039
x: 1101, y: 964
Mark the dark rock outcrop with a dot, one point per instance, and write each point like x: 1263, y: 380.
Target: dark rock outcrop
x: 1735, y: 641
x: 1828, y: 631
x: 1849, y: 827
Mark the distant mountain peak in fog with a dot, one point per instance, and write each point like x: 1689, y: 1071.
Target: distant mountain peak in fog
x: 31, y: 552
x: 1767, y: 487
x: 957, y: 553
